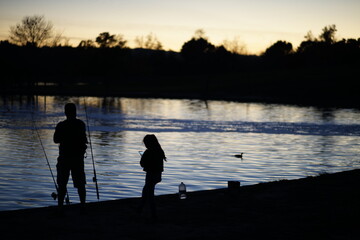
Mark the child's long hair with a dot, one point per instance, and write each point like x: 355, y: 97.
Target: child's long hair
x: 152, y: 143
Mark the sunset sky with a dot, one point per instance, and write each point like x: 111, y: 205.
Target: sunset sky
x: 257, y: 23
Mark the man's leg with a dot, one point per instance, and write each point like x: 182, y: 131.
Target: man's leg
x: 82, y: 194
x: 61, y: 195
x: 63, y: 173
x: 79, y: 180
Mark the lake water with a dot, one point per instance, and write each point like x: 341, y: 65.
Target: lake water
x: 200, y: 140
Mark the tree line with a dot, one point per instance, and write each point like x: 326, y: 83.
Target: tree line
x: 321, y: 66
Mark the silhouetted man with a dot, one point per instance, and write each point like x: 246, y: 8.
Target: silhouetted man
x: 71, y: 134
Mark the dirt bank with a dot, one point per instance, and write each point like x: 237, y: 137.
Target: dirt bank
x: 324, y: 207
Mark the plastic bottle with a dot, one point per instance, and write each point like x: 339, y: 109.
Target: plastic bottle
x: 182, y: 191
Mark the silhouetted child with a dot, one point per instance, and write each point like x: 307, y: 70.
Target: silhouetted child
x: 152, y: 162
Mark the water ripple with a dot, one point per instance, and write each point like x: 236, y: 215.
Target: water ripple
x: 175, y: 125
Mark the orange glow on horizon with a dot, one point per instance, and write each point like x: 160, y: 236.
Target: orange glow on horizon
x: 258, y: 24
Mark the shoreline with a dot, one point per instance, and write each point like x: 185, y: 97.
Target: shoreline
x: 297, y: 100
x: 323, y: 207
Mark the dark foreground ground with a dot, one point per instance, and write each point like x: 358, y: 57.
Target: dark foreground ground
x: 324, y: 207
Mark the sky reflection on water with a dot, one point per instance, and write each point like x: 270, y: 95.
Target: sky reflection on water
x: 278, y: 141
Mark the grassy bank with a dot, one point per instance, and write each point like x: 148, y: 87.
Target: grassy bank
x: 322, y: 207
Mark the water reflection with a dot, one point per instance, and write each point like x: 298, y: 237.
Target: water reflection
x: 200, y: 139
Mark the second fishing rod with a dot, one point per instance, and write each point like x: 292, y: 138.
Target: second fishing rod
x: 91, y: 150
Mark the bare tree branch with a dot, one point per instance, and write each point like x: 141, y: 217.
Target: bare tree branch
x: 33, y: 31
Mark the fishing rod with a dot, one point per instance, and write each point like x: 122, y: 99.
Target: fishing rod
x: 53, y: 195
x: 92, y: 154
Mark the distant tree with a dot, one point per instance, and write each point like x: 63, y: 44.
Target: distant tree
x: 305, y: 46
x: 32, y: 31
x: 310, y: 37
x: 150, y: 41
x: 86, y: 44
x: 353, y: 43
x: 312, y: 43
x: 279, y: 49
x: 5, y: 43
x: 328, y: 34
x: 197, y: 47
x: 200, y: 33
x: 105, y: 40
x: 121, y: 42
x: 221, y: 52
x: 235, y: 46
x: 59, y: 40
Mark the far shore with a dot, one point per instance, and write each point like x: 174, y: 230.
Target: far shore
x: 322, y: 207
x: 287, y: 98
